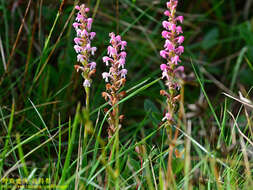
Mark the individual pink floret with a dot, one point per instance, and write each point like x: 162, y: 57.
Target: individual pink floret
x: 180, y: 19
x: 163, y: 67
x: 106, y: 60
x: 180, y: 50
x: 167, y: 117
x: 111, y: 51
x: 86, y: 83
x: 175, y: 59
x: 92, y: 65
x: 106, y: 76
x: 123, y: 73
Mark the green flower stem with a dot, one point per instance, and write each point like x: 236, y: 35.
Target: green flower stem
x: 117, y: 146
x: 87, y: 124
x: 87, y: 100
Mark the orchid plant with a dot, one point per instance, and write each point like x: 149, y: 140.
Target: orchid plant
x: 115, y: 79
x: 171, y: 53
x: 83, y: 48
x: 172, y: 72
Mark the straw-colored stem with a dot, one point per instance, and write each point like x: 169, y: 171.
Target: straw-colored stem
x: 87, y: 99
x: 87, y: 122
x: 117, y: 145
x: 169, y: 166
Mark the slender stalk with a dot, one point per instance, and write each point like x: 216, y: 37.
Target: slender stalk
x: 117, y: 145
x: 86, y: 124
x: 171, y: 146
x: 87, y: 99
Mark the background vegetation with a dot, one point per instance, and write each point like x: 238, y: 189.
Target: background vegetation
x: 41, y: 124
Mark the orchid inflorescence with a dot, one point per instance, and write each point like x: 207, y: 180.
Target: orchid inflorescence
x: 171, y: 52
x: 83, y: 44
x: 115, y: 78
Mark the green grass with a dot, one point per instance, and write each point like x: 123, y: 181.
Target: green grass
x: 47, y: 133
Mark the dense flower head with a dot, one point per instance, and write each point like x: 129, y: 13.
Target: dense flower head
x: 115, y: 60
x: 116, y: 76
x: 83, y: 46
x: 173, y: 48
x: 173, y: 40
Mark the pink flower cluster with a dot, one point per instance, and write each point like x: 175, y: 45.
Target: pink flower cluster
x: 116, y: 59
x: 173, y: 40
x: 83, y: 44
x: 171, y: 53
